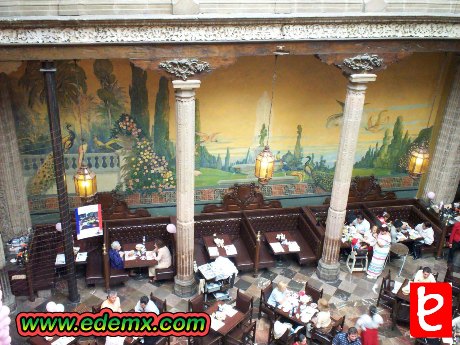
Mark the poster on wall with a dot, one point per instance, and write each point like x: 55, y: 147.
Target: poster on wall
x: 89, y: 221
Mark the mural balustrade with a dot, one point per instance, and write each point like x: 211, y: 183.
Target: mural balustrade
x: 98, y: 162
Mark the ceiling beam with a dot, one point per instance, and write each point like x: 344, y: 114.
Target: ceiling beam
x: 221, y: 51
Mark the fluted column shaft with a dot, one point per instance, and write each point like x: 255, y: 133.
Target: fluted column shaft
x: 185, y: 166
x: 328, y: 268
x: 444, y: 172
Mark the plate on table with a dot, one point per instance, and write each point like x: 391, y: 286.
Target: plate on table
x: 313, y: 305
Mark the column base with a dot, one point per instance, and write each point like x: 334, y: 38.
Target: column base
x: 185, y: 288
x: 328, y: 272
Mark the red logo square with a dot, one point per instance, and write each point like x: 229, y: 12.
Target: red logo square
x: 431, y: 310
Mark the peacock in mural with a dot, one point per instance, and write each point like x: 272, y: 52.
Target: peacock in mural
x: 321, y: 179
x: 44, y: 177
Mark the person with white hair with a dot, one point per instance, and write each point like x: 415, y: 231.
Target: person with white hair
x: 112, y: 302
x: 278, y: 295
x: 115, y: 256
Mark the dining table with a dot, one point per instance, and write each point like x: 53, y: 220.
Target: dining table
x: 281, y: 247
x: 229, y: 323
x: 401, y: 295
x: 134, y: 259
x: 295, y: 315
x: 228, y: 250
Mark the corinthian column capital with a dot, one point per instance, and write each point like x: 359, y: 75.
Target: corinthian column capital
x: 184, y: 68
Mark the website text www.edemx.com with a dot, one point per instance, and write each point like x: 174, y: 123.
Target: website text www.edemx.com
x: 108, y: 323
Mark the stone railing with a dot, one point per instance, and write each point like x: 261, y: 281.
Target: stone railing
x: 99, y: 162
x: 62, y: 8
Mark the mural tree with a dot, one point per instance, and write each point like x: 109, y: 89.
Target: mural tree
x: 227, y: 160
x: 298, y: 153
x: 161, y: 141
x: 70, y: 81
x: 139, y: 97
x: 110, y: 93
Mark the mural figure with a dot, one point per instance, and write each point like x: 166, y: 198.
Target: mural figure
x: 204, y: 138
x: 321, y: 175
x: 376, y: 126
x: 335, y: 120
x: 44, y: 177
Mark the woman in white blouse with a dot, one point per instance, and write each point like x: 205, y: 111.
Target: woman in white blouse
x: 163, y: 256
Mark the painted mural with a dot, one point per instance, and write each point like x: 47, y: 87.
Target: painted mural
x: 122, y: 119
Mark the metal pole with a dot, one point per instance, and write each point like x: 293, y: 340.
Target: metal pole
x: 49, y: 73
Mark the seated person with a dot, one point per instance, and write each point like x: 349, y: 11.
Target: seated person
x: 112, y: 302
x: 163, y: 257
x: 115, y: 256
x: 322, y: 321
x: 456, y: 327
x: 396, y: 228
x: 424, y: 276
x: 384, y: 218
x: 426, y: 232
x: 302, y: 340
x: 146, y: 305
x: 370, y: 237
x: 361, y: 224
x: 278, y: 295
x: 351, y: 337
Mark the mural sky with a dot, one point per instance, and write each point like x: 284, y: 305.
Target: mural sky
x: 120, y: 109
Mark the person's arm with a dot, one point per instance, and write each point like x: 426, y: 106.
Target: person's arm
x: 118, y: 304
x: 429, y: 239
x: 137, y: 308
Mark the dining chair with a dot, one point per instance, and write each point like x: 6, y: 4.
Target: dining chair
x: 161, y: 304
x: 243, y: 335
x: 244, y: 304
x: 212, y: 338
x: 264, y: 307
x: 197, y: 304
x: 313, y: 292
x: 386, y: 297
x: 400, y: 313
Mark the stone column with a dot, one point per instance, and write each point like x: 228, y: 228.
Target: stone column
x: 14, y: 208
x: 444, y: 171
x: 185, y: 166
x: 329, y: 266
x: 184, y: 282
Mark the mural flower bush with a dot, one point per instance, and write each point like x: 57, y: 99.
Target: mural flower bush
x: 145, y: 171
x: 126, y: 125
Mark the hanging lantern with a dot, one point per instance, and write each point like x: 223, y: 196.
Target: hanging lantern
x: 85, y: 182
x: 418, y: 162
x: 265, y: 163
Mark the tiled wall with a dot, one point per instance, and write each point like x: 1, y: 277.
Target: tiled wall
x: 211, y: 195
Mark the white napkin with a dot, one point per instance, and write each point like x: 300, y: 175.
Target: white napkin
x: 82, y: 256
x: 230, y: 249
x: 397, y: 286
x: 60, y: 259
x: 277, y: 247
x: 213, y: 251
x: 294, y: 247
x: 216, y: 324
